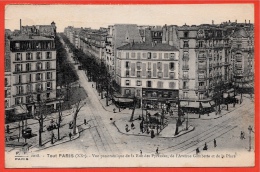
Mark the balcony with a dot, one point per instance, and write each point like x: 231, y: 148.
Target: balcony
x: 202, y: 87
x: 185, y: 76
x: 202, y: 66
x: 185, y: 58
x: 185, y: 87
x: 202, y: 57
x: 202, y: 77
x: 185, y: 67
x: 239, y: 59
x: 239, y: 66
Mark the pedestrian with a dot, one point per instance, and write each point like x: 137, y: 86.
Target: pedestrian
x: 85, y: 121
x: 152, y: 134
x: 215, y: 143
x: 141, y: 152
x: 205, y: 146
x: 114, y: 110
x: 132, y: 126
x: 141, y: 127
x: 197, y: 151
x: 157, y: 150
x: 92, y: 86
x: 70, y: 135
x: 126, y: 127
x: 242, y: 135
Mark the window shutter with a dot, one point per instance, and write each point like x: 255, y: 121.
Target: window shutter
x: 154, y: 70
x: 132, y: 69
x: 144, y: 70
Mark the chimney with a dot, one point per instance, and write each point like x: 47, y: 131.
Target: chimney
x: 228, y: 21
x: 249, y: 22
x: 236, y: 21
x: 212, y: 22
x: 171, y: 36
x: 245, y: 21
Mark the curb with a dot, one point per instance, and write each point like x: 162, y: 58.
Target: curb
x: 150, y: 136
x: 77, y: 136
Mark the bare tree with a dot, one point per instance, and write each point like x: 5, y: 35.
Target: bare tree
x: 79, y: 104
x: 40, y: 115
x: 133, y: 111
x: 59, y: 115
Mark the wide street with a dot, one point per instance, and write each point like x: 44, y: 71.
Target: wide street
x: 104, y: 138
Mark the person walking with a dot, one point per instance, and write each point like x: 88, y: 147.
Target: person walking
x: 215, y: 143
x: 126, y: 127
x: 197, y: 151
x: 205, y: 146
x: 141, y: 152
x: 70, y: 135
x: 85, y: 121
x: 157, y: 150
x: 132, y: 126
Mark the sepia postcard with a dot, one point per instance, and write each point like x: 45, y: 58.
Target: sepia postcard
x: 129, y: 85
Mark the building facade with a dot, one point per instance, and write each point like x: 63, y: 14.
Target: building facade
x: 148, y: 72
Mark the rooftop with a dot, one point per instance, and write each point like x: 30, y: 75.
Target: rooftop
x: 145, y: 46
x: 30, y: 38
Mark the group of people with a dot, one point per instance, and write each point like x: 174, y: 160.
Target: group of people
x: 206, y: 146
x: 132, y: 127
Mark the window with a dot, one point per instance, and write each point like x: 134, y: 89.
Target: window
x: 48, y: 65
x: 201, y: 83
x: 159, y: 65
x: 186, y: 34
x: 127, y: 73
x: 200, y: 43
x: 28, y: 56
x: 149, y: 55
x: 48, y: 55
x: 149, y: 66
x: 138, y: 55
x: 38, y: 55
x: 19, y: 79
x: 154, y: 55
x: 159, y: 84
x: 185, y: 44
x: 127, y: 64
x: 49, y: 85
x: 138, y: 65
x: 18, y: 57
x: 127, y: 55
x: 47, y: 95
x: 29, y: 78
x: 127, y: 92
x: 185, y: 94
x: 160, y: 74
x: 119, y: 54
x: 144, y: 55
x: 29, y: 88
x: 172, y: 55
x: 49, y: 75
x: 17, y: 46
x: 171, y: 85
x: 6, y: 103
x: 138, y: 74
x: 149, y: 84
x: 185, y: 74
x: 39, y: 87
x: 185, y: 86
x: 28, y: 99
x: 172, y: 75
x: 160, y: 55
x: 38, y: 76
x: 166, y: 55
x: 39, y: 66
x: 18, y: 100
x: 138, y: 83
x: 28, y: 66
x: 171, y: 66
x: 18, y: 67
x: 132, y: 55
x: 6, y: 82
x: 149, y: 74
x: 127, y: 82
x: 19, y: 90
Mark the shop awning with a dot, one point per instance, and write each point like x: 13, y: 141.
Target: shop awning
x: 183, y: 104
x: 205, y: 104
x: 20, y: 109
x: 194, y: 104
x: 125, y: 100
x: 212, y: 103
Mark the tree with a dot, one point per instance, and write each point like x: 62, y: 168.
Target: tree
x: 60, y: 115
x: 134, y: 106
x: 79, y: 104
x: 41, y: 112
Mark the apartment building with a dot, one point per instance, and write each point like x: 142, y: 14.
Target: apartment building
x: 148, y: 72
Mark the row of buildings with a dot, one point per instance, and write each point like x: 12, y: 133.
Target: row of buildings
x: 30, y: 68
x: 167, y: 64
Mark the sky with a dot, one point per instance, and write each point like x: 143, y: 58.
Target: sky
x: 96, y: 16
